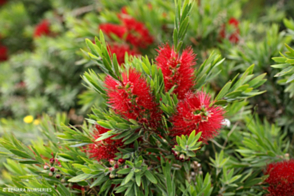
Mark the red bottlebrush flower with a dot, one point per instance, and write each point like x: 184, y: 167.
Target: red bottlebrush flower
x: 42, y: 28
x: 115, y: 29
x: 132, y: 99
x: 234, y: 22
x: 120, y: 51
x: 106, y: 149
x: 3, y: 53
x: 233, y: 37
x: 195, y: 113
x: 137, y: 34
x: 281, y: 178
x: 177, y: 70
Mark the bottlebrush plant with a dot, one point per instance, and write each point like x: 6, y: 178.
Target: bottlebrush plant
x: 158, y: 133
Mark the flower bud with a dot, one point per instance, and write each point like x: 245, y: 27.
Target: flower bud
x: 46, y: 167
x: 126, y: 166
x: 175, y: 153
x: 52, y: 160
x: 63, y: 180
x: 111, y: 176
x: 121, y: 161
x: 182, y: 157
x: 111, y: 161
x: 57, y: 176
x: 50, y: 174
x: 52, y: 169
x: 116, y: 166
x: 110, y: 169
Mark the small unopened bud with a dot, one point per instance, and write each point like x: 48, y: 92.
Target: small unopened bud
x: 126, y: 166
x: 121, y: 161
x: 287, y: 155
x: 52, y: 169
x: 50, y: 174
x: 110, y: 169
x: 200, y: 172
x: 198, y: 165
x: 69, y: 184
x: 182, y: 157
x: 52, y: 160
x: 46, y: 167
x: 116, y: 166
x: 111, y: 161
x: 175, y: 153
x: 63, y: 180
x: 111, y: 176
x: 57, y: 176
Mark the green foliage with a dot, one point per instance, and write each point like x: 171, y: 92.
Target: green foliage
x: 285, y: 64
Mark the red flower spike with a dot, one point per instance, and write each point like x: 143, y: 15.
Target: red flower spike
x: 3, y: 53
x: 120, y: 51
x: 281, y: 178
x: 115, y: 29
x: 106, y: 149
x: 42, y: 28
x: 177, y: 70
x: 233, y: 37
x: 234, y: 22
x: 137, y: 34
x: 195, y: 113
x: 132, y: 99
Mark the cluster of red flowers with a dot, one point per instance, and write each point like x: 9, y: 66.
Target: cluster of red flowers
x: 42, y: 29
x: 130, y: 30
x: 233, y: 37
x: 132, y: 99
x: 281, y: 178
x: 137, y: 34
x: 193, y: 111
x: 106, y: 149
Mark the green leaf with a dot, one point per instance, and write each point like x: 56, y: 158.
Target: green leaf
x: 150, y: 177
x: 224, y: 90
x: 81, y: 177
x: 129, y: 177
